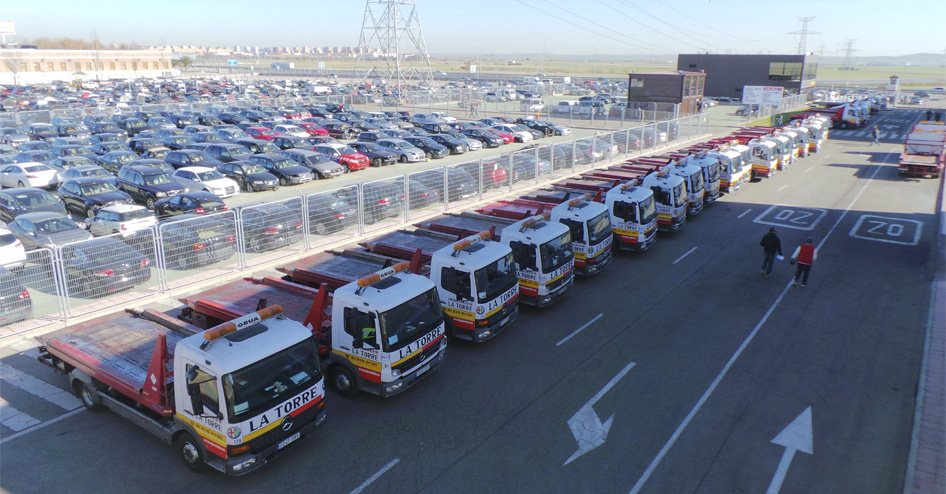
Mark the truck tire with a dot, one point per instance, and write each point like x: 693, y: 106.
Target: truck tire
x: 343, y: 381
x: 89, y: 396
x: 189, y: 450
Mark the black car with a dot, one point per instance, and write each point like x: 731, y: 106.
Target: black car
x: 181, y: 120
x: 288, y: 171
x: 456, y: 146
x: 89, y: 171
x: 14, y: 202
x: 191, y: 157
x: 142, y: 144
x: 107, y: 147
x: 250, y: 176
x: 41, y: 132
x: 86, y: 195
x: 270, y: 226
x: 429, y: 147
x: 133, y: 126
x: 377, y: 154
x: 196, y: 202
x: 381, y: 199
x: 192, y: 240
x: 108, y: 137
x: 148, y: 184
x: 209, y: 120
x: 256, y: 146
x: 176, y: 142
x: 231, y: 118
x: 227, y: 152
x: 547, y: 128
x: 67, y: 162
x: 109, y: 128
x: 459, y: 184
x: 340, y: 130
x: 290, y: 142
x: 115, y: 160
x: 101, y: 266
x: 15, y: 303
x: 44, y: 157
x: 329, y: 214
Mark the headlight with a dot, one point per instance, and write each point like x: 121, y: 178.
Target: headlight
x: 257, y: 182
x: 160, y: 194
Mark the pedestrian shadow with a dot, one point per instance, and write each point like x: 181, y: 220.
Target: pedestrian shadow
x: 861, y: 171
x: 879, y: 156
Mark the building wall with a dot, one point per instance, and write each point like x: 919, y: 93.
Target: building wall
x: 727, y: 74
x: 666, y: 90
x: 44, y: 66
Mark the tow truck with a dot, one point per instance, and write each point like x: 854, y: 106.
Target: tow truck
x: 380, y: 333
x: 711, y: 177
x: 475, y: 277
x: 670, y: 193
x: 541, y: 249
x: 233, y: 397
x: 691, y: 174
x: 765, y: 154
x: 924, y: 150
x: 588, y: 222
x: 733, y: 170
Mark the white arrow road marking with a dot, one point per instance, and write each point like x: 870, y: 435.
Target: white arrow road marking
x: 797, y: 436
x: 587, y: 428
x: 39, y: 388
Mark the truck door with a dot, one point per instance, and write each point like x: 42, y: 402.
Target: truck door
x: 525, y: 255
x: 456, y: 283
x: 361, y: 327
x: 204, y: 392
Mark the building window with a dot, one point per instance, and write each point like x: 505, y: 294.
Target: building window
x: 779, y: 71
x: 62, y: 66
x: 78, y: 66
x: 154, y: 65
x: 124, y: 66
x: 50, y: 67
x: 111, y: 65
x: 88, y: 66
x: 37, y: 67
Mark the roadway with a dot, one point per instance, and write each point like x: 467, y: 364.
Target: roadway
x: 682, y: 364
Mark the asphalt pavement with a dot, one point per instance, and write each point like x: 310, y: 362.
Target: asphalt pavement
x: 680, y: 369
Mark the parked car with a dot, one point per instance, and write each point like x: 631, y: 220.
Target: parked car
x: 176, y: 142
x: 250, y: 176
x: 133, y: 126
x: 227, y: 152
x: 86, y: 195
x: 381, y: 200
x: 340, y: 130
x: 14, y: 202
x: 459, y: 183
x: 377, y: 154
x: 34, y: 146
x: 452, y: 143
x: 29, y: 174
x: 15, y: 302
x: 191, y: 240
x: 284, y: 168
x: 44, y: 157
x: 488, y: 139
x: 46, y: 230
x: 285, y: 142
x: 231, y: 134
x: 41, y: 132
x: 207, y: 179
x: 430, y: 148
x: 123, y: 219
x: 106, y: 147
x: 108, y: 128
x: 196, y: 202
x: 99, y: 267
x: 93, y: 171
x: 108, y: 137
x: 329, y: 214
x: 261, y: 133
x: 407, y: 152
x: 115, y: 160
x: 344, y: 155
x: 148, y: 184
x: 191, y: 157
x: 257, y: 146
x: 13, y: 136
x: 520, y: 133
x: 320, y: 165
x: 270, y: 226
x: 12, y: 253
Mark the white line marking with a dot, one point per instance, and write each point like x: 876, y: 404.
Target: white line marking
x: 684, y: 255
x: 781, y: 188
x: 744, y: 213
x: 722, y: 373
x: 890, y: 223
x: 375, y: 476
x: 14, y: 419
x: 809, y: 169
x: 36, y: 387
x: 40, y: 426
x: 589, y: 323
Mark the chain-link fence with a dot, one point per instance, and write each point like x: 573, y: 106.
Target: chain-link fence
x: 198, y: 246
x: 271, y: 230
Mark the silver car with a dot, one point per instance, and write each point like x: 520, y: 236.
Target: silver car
x: 407, y: 152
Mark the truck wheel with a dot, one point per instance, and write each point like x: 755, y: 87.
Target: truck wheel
x: 343, y: 381
x: 89, y: 396
x: 189, y: 449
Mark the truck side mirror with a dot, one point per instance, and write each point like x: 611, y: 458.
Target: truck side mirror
x: 197, y: 405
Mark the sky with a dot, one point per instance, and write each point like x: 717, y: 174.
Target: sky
x: 501, y: 27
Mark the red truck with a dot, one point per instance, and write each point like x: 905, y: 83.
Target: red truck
x: 924, y: 150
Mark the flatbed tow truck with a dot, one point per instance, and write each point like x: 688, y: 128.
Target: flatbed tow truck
x: 233, y: 405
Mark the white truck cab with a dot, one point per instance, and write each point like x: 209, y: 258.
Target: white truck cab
x: 633, y: 216
x: 670, y: 195
x: 543, y: 252
x: 589, y: 226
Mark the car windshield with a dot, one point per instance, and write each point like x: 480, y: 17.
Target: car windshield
x: 258, y: 387
x: 494, y: 279
x: 198, y: 157
x: 696, y: 181
x: 37, y: 168
x: 680, y: 195
x: 97, y: 188
x: 713, y: 172
x: 250, y: 169
x: 38, y: 198
x: 267, y: 132
x: 135, y: 214
x: 55, y: 225
x: 346, y: 150
x: 95, y: 172
x: 407, y: 322
x: 556, y: 252
x: 648, y: 210
x: 209, y: 175
x: 239, y: 152
x: 158, y: 179
x: 42, y: 156
x: 599, y: 228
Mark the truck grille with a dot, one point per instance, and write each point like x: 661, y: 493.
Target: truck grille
x: 259, y: 444
x: 557, y: 283
x: 414, y: 361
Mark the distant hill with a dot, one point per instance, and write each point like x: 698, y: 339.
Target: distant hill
x: 922, y: 59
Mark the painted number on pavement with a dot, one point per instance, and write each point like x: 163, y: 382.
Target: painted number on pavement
x: 791, y: 217
x: 885, y: 229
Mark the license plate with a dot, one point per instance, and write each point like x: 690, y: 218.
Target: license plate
x: 423, y: 369
x: 504, y: 321
x: 285, y: 442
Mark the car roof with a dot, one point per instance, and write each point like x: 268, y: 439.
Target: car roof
x: 196, y: 169
x: 88, y: 180
x: 40, y: 215
x: 122, y: 208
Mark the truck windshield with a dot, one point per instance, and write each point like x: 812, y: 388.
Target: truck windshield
x: 494, y: 279
x: 405, y: 323
x: 712, y: 174
x: 679, y: 195
x: 696, y: 181
x: 648, y: 210
x: 257, y: 387
x: 556, y: 252
x: 599, y: 228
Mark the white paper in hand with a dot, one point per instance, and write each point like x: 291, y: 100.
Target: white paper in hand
x: 779, y: 258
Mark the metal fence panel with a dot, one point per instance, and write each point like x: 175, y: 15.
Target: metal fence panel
x: 199, y: 247
x: 271, y: 230
x: 29, y: 292
x: 427, y: 193
x: 383, y: 203
x: 332, y: 216
x: 461, y: 178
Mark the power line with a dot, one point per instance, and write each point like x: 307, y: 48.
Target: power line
x: 658, y: 19
x: 803, y: 33
x: 703, y: 23
x: 598, y: 33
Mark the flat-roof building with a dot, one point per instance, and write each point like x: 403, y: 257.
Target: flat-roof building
x: 727, y: 74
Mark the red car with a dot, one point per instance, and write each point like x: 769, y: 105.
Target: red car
x: 261, y: 133
x: 313, y: 129
x: 507, y: 137
x: 344, y: 155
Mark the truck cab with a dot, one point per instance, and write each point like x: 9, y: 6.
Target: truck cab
x: 670, y: 195
x: 692, y: 176
x: 543, y: 253
x: 765, y: 157
x: 633, y: 216
x: 710, y: 167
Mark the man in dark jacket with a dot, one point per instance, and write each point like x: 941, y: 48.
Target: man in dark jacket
x: 772, y: 246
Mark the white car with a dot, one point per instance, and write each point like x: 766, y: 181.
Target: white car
x: 521, y: 133
x: 30, y: 174
x: 12, y: 253
x: 444, y: 116
x: 207, y: 179
x: 126, y: 219
x: 291, y: 130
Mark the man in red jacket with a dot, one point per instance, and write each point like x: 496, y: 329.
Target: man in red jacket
x: 805, y: 255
